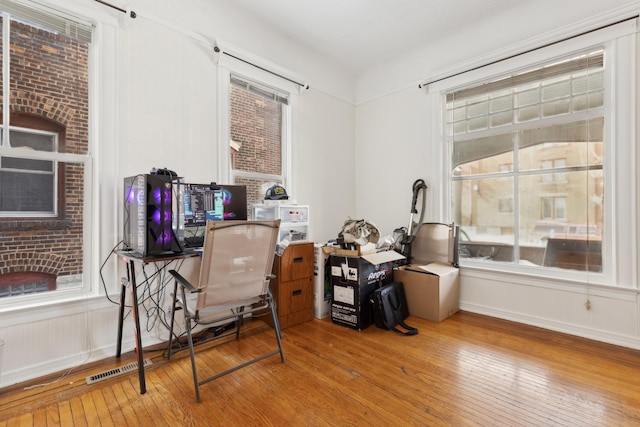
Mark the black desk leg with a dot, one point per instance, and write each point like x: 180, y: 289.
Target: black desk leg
x: 123, y: 291
x: 136, y: 319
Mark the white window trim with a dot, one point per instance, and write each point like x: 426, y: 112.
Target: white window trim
x: 621, y: 219
x: 102, y: 93
x: 228, y: 66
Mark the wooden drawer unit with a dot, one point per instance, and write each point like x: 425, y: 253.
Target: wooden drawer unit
x: 293, y: 286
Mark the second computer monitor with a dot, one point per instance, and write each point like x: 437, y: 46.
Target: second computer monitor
x: 204, y: 202
x: 234, y: 199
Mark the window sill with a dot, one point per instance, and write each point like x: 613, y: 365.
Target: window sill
x: 20, y: 312
x: 553, y: 280
x: 34, y: 224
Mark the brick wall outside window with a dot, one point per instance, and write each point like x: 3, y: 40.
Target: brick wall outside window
x: 49, y: 81
x: 256, y: 125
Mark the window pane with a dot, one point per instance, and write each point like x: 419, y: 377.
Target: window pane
x: 482, y: 155
x: 578, y: 144
x: 52, y: 82
x: 257, y: 123
x: 548, y: 210
x: 36, y: 141
x: 256, y: 132
x: 483, y: 209
x: 516, y: 192
x: 52, y: 247
x: 26, y: 164
x: 27, y: 192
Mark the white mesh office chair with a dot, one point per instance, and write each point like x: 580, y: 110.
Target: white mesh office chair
x: 237, y: 259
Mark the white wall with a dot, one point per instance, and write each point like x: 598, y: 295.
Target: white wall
x: 157, y: 100
x: 396, y: 143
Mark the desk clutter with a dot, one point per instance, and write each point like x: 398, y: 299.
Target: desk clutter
x: 164, y: 214
x: 347, y: 276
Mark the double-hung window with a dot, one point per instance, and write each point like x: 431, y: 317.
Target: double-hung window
x: 45, y: 162
x: 257, y: 143
x: 255, y: 129
x: 533, y: 154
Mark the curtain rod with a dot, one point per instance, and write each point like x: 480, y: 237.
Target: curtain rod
x: 218, y: 50
x: 420, y: 86
x: 132, y: 13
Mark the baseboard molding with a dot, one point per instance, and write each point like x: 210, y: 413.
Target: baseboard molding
x: 553, y: 325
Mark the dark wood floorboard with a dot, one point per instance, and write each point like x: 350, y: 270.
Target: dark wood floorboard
x: 469, y: 370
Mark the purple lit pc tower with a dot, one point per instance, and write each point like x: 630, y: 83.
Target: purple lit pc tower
x: 148, y: 215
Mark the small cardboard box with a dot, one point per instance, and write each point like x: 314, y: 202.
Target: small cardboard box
x: 360, y: 250
x: 353, y: 280
x: 432, y: 290
x: 321, y: 282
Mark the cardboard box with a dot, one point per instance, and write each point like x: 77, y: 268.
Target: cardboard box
x: 321, y: 282
x: 360, y: 250
x: 353, y: 280
x: 432, y: 290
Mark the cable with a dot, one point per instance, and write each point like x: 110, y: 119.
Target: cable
x: 104, y: 285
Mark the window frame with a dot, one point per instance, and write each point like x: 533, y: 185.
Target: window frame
x: 74, y: 290
x: 620, y: 254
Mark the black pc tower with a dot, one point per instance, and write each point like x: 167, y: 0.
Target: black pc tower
x: 148, y: 215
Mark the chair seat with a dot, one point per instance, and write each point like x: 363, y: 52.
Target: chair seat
x: 212, y: 314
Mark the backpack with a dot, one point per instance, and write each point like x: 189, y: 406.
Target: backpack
x: 390, y: 308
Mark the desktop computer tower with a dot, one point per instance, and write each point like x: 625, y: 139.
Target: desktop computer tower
x: 148, y: 215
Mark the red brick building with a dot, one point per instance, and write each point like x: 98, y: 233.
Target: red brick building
x: 49, y: 92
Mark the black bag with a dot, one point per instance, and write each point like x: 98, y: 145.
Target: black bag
x: 390, y: 308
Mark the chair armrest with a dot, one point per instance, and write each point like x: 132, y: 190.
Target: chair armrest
x: 183, y: 282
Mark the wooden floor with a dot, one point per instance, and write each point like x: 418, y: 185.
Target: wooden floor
x: 469, y: 370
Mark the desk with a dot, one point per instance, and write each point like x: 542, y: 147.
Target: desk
x: 131, y: 258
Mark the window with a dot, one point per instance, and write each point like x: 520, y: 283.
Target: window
x: 548, y: 123
x: 257, y: 143
x: 44, y: 149
x: 255, y: 109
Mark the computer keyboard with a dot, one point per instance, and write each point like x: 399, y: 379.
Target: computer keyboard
x: 194, y: 241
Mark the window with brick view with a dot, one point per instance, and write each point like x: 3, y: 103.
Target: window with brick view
x: 256, y: 128
x: 42, y: 199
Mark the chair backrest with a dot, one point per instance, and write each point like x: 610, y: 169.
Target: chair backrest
x: 434, y: 242
x: 237, y: 260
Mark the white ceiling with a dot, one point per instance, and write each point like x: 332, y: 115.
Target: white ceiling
x: 359, y: 34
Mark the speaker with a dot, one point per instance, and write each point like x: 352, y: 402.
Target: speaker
x: 148, y: 215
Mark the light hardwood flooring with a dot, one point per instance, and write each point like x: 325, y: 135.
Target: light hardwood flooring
x: 469, y: 370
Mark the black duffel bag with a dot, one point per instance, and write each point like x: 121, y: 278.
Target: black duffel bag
x: 390, y: 308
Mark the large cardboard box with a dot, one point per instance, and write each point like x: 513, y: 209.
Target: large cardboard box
x: 353, y: 280
x: 432, y: 290
x: 321, y: 282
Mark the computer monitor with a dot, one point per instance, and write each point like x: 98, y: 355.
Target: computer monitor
x: 215, y: 202
x: 234, y: 199
x: 202, y: 202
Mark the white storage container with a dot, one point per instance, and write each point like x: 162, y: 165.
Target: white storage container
x: 294, y: 233
x: 285, y: 213
x: 294, y: 219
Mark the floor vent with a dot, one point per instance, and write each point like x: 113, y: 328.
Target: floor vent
x: 115, y: 372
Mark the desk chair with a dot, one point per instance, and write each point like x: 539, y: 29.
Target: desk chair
x: 237, y: 259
